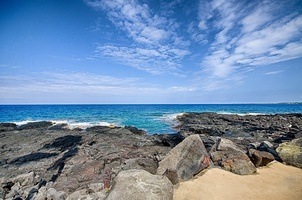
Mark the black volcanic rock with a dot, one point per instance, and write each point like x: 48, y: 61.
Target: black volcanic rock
x: 65, y: 142
x: 7, y: 127
x: 35, y: 125
x: 69, y: 160
x: 170, y: 140
x: 275, y: 128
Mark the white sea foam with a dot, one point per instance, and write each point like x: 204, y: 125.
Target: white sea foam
x: 85, y: 125
x: 26, y: 122
x: 240, y: 114
x: 170, y: 117
x: 70, y: 124
x: 253, y: 114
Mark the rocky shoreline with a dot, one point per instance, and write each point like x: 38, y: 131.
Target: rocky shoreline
x: 42, y: 160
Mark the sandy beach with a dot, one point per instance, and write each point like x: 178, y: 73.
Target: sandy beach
x: 275, y: 181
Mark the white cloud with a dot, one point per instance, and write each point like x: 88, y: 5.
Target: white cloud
x: 9, y: 66
x: 258, y: 18
x: 274, y: 72
x: 154, y: 61
x: 135, y: 19
x: 260, y: 40
x: 241, y: 35
x: 157, y: 47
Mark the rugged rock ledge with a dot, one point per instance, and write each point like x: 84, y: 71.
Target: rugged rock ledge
x: 258, y: 136
x: 69, y: 160
x: 42, y: 160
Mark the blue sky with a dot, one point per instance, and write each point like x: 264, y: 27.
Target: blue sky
x: 150, y: 51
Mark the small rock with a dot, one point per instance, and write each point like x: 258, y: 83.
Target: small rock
x: 268, y: 147
x: 15, y: 191
x: 254, y: 145
x: 227, y: 155
x: 41, y: 194
x: 171, y: 140
x: 267, y: 143
x: 54, y: 194
x: 29, y: 179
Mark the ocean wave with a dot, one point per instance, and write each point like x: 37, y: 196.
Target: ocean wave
x: 20, y: 123
x: 253, y: 114
x: 85, y: 125
x: 170, y: 117
x: 70, y: 124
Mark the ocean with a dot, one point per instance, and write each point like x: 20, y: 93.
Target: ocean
x: 157, y: 118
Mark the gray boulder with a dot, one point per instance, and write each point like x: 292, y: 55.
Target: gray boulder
x: 227, y: 155
x: 136, y: 184
x: 291, y: 152
x: 185, y: 160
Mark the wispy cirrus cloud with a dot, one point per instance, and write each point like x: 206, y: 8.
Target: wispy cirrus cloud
x: 154, y: 61
x: 274, y: 72
x: 156, y: 48
x: 64, y: 81
x: 234, y: 37
x: 9, y: 66
x: 247, y: 36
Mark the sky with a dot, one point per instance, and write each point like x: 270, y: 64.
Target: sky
x: 150, y: 51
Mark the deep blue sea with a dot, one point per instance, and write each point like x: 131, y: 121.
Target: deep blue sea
x: 158, y: 118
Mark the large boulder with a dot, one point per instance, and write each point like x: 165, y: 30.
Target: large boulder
x: 260, y: 158
x: 291, y: 152
x: 185, y: 160
x: 227, y: 155
x: 137, y: 184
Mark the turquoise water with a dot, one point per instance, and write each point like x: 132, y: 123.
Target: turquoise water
x: 152, y: 118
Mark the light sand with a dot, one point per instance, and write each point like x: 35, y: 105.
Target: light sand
x: 276, y: 181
